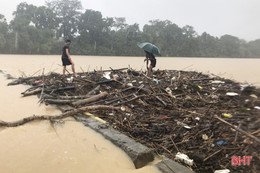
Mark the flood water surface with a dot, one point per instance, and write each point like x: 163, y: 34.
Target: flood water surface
x: 41, y: 147
x: 69, y: 146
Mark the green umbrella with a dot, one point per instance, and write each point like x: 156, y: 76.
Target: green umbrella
x: 149, y: 47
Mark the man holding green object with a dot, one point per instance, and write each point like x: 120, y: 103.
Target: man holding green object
x: 150, y: 50
x: 151, y: 57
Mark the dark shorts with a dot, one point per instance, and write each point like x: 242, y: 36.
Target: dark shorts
x: 66, y: 61
x: 153, y: 62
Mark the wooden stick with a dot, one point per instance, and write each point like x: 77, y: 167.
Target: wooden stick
x: 57, y: 101
x: 43, y: 85
x: 163, y: 102
x: 33, y: 92
x: 91, y: 99
x: 124, y: 102
x: 238, y: 129
x: 92, y: 92
x: 164, y: 148
x: 71, y: 97
x: 120, y: 69
x: 235, y: 140
x: 61, y: 116
x: 204, y: 160
x: 174, y: 145
x: 255, y: 132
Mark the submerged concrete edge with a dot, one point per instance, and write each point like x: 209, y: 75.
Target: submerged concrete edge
x: 139, y: 154
x: 169, y: 166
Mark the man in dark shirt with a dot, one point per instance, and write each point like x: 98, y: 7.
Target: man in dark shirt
x: 66, y: 59
x: 151, y: 57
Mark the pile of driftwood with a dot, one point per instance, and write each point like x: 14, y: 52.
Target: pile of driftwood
x: 206, y: 117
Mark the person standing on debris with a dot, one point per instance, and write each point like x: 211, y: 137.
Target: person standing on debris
x: 151, y: 57
x: 66, y: 59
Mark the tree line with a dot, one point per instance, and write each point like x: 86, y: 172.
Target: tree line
x: 43, y: 29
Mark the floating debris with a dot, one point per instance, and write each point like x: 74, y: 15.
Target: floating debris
x: 232, y: 94
x: 184, y: 158
x: 167, y: 114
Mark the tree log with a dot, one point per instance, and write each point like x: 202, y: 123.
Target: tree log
x: 63, y: 115
x: 57, y: 101
x: 33, y: 92
x: 92, y: 92
x: 91, y: 99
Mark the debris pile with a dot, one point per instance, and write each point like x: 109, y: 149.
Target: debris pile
x: 206, y: 118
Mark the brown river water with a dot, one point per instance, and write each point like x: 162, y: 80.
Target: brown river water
x: 71, y: 147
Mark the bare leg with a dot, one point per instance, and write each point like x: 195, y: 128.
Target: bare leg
x: 150, y: 71
x: 63, y: 71
x: 73, y: 70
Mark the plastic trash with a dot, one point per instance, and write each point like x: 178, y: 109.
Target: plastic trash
x: 205, y: 137
x: 214, y: 96
x: 217, y: 82
x: 165, y: 117
x: 130, y: 84
x: 157, y: 81
x: 222, y: 143
x: 227, y: 115
x: 184, y: 158
x: 107, y: 75
x: 186, y: 126
x: 169, y: 91
x: 254, y: 96
x: 200, y: 87
x: 222, y: 171
x: 122, y: 108
x: 134, y: 81
x: 213, y: 88
x: 70, y: 80
x: 197, y: 118
x: 173, y: 78
x: 37, y: 83
x: 231, y: 94
x: 257, y: 107
x: 243, y: 86
x: 183, y: 124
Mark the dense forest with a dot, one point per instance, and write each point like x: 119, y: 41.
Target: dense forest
x: 43, y: 29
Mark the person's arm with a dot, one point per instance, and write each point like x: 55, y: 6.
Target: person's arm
x: 67, y: 52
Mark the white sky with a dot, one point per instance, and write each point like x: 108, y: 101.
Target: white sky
x: 217, y: 17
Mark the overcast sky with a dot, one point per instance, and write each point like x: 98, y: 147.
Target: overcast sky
x: 239, y: 18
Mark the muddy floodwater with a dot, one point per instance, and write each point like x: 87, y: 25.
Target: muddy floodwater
x: 40, y: 147
x: 72, y: 147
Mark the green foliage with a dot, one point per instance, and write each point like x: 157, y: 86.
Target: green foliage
x: 67, y: 12
x: 3, y: 34
x: 42, y: 30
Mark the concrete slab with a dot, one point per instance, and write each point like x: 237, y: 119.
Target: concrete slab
x: 169, y: 166
x: 139, y: 154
